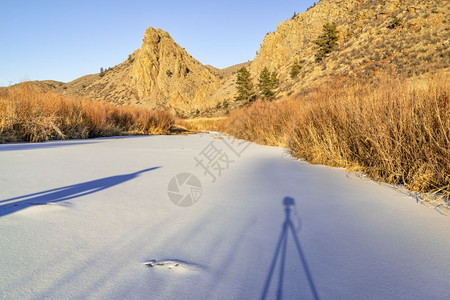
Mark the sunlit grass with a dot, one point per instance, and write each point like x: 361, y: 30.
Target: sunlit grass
x: 28, y: 114
x: 392, y: 129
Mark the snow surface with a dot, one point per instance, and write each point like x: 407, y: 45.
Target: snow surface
x: 93, y: 219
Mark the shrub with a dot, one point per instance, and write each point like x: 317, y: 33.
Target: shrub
x: 326, y: 41
x: 295, y: 69
x: 395, y: 22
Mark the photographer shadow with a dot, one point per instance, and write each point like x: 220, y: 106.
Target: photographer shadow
x: 280, y: 254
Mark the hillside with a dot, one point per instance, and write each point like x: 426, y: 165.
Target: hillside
x: 228, y: 71
x: 408, y: 37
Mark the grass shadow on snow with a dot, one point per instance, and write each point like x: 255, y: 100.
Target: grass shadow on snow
x: 43, y: 145
x: 280, y: 254
x: 9, y: 206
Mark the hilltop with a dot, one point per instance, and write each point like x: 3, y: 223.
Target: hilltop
x: 160, y: 74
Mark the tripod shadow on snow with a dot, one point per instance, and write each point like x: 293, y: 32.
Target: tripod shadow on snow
x: 280, y: 255
x: 9, y: 206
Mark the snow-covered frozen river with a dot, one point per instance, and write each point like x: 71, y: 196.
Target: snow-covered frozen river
x: 207, y: 217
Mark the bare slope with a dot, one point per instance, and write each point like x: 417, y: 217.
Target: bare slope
x: 228, y: 71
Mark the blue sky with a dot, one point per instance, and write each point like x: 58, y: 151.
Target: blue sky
x: 63, y: 40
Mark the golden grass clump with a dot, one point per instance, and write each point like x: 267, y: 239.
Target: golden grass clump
x: 394, y: 130
x: 29, y: 114
x: 198, y: 124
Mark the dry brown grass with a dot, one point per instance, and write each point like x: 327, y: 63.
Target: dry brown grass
x: 198, y: 124
x: 394, y: 130
x: 28, y: 114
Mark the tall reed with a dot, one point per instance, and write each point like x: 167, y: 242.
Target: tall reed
x: 394, y: 130
x: 29, y: 114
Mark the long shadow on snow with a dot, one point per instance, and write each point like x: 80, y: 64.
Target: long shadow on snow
x: 9, y: 206
x: 282, y: 245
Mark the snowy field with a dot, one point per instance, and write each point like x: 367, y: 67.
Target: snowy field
x: 109, y: 219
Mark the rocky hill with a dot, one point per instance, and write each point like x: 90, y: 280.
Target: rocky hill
x: 410, y: 37
x: 160, y: 75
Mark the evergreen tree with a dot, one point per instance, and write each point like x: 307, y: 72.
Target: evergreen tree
x: 295, y: 69
x: 274, y: 80
x: 244, y: 86
x: 327, y: 40
x: 267, y: 83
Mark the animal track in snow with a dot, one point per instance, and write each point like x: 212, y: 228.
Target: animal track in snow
x: 178, y: 266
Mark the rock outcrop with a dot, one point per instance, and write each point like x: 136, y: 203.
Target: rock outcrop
x: 165, y: 75
x: 159, y: 75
